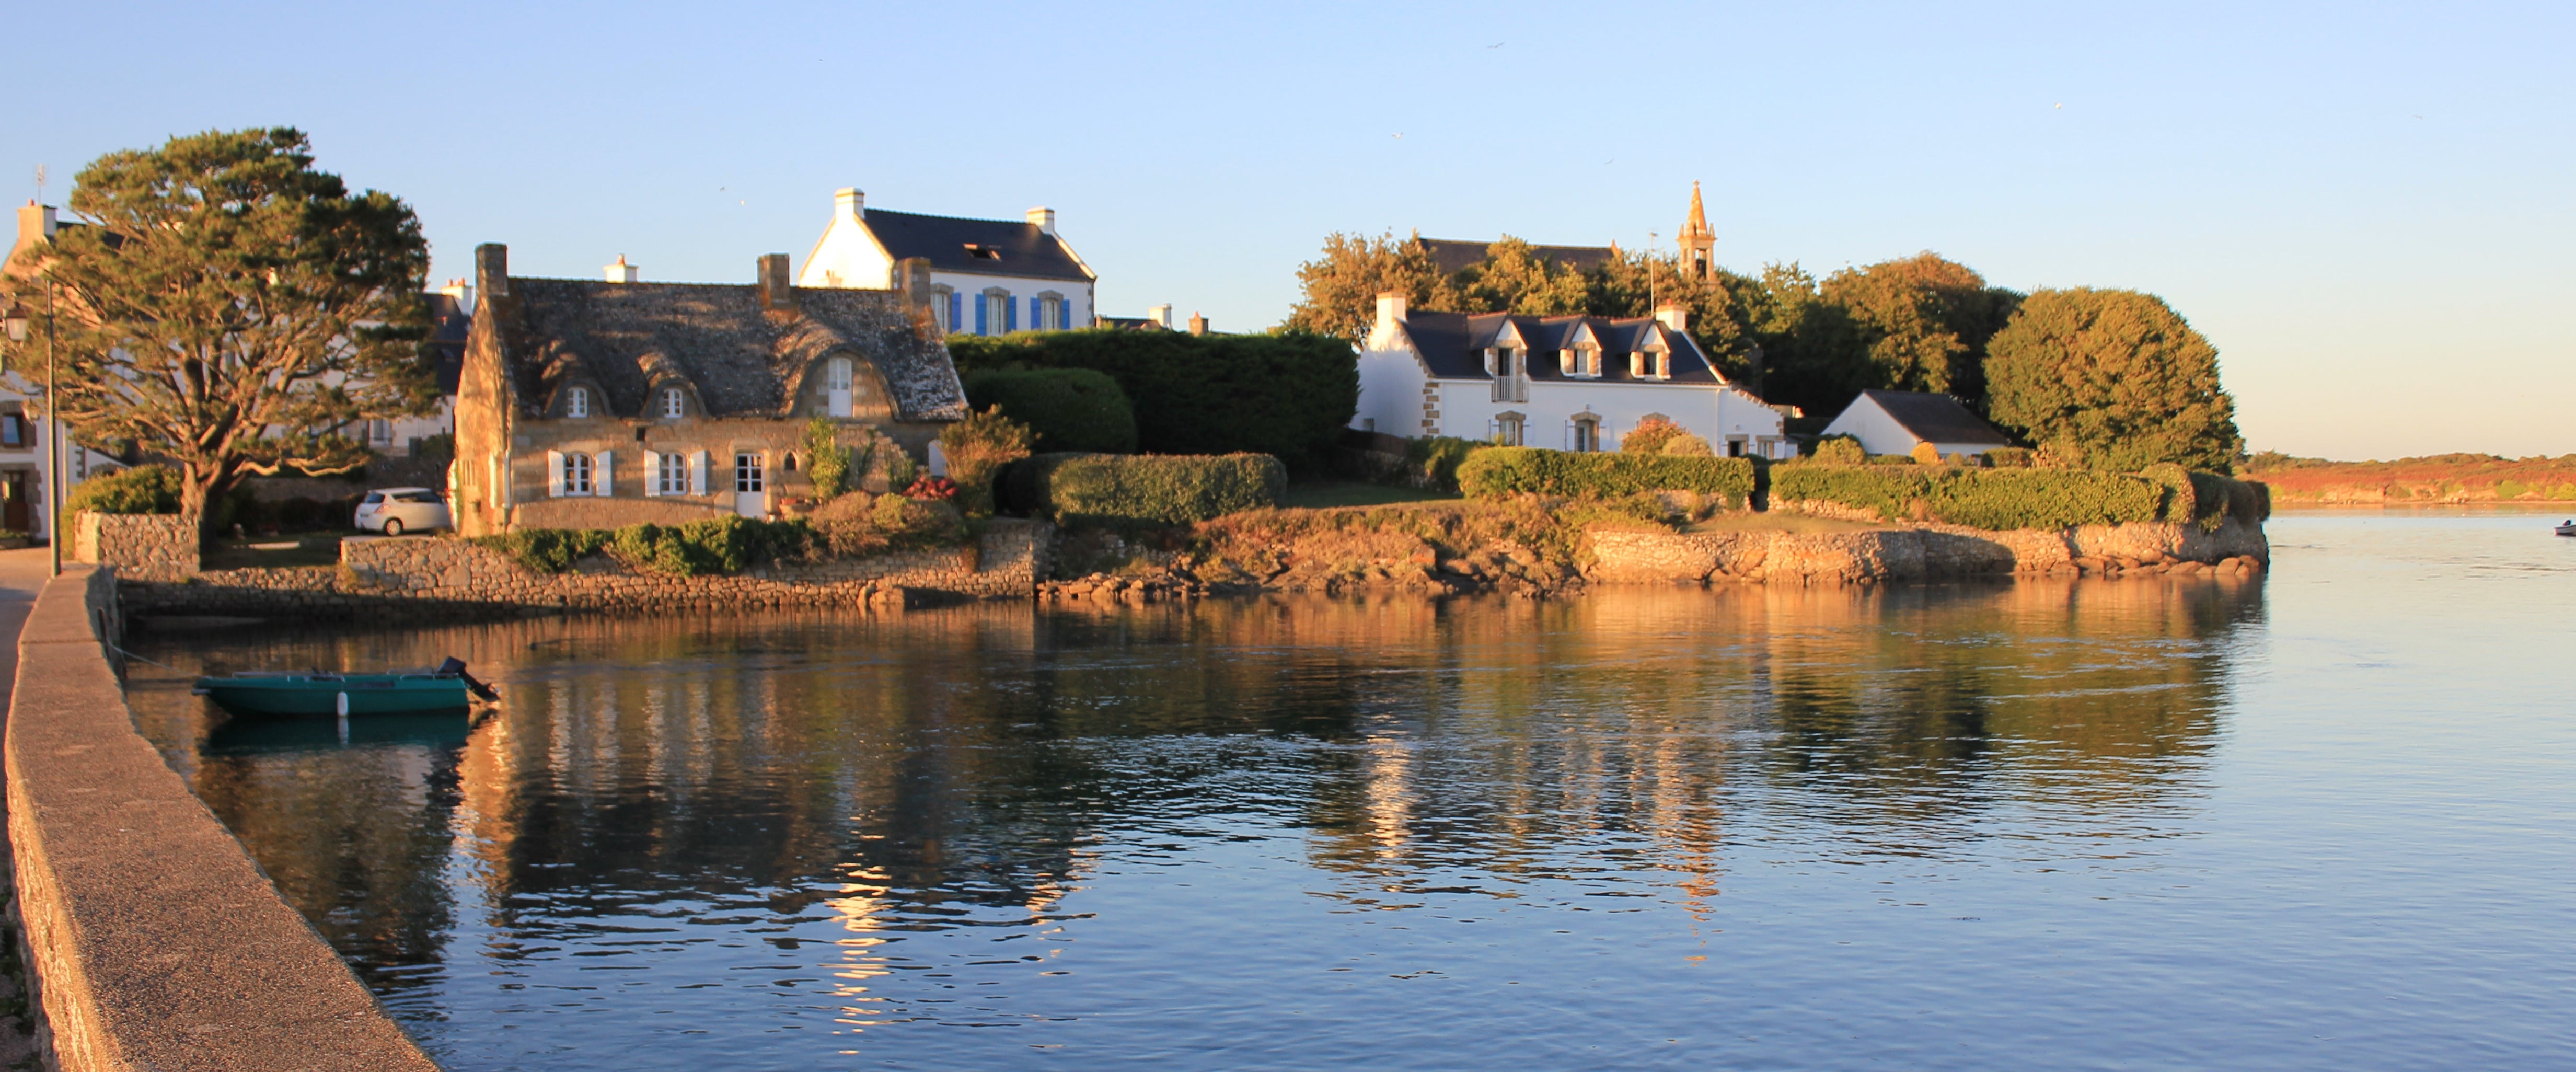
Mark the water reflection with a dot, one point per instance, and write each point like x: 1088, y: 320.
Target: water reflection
x: 800, y: 838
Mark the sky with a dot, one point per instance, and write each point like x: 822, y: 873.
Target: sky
x: 2367, y: 208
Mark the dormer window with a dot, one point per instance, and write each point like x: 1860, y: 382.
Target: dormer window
x: 577, y: 402
x: 675, y: 403
x: 983, y: 253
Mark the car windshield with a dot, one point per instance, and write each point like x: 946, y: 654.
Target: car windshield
x: 374, y: 497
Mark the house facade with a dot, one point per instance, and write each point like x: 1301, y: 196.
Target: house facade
x: 987, y: 277
x: 1895, y: 422
x: 1564, y: 382
x: 599, y: 404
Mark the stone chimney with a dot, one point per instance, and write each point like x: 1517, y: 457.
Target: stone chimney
x: 849, y: 201
x: 912, y: 277
x: 1044, y: 218
x: 492, y: 270
x: 35, y: 224
x: 1390, y: 307
x: 1198, y: 324
x: 621, y: 272
x: 1160, y: 316
x: 1674, y: 317
x: 776, y: 294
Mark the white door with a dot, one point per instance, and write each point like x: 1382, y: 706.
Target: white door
x: 836, y: 385
x: 750, y: 485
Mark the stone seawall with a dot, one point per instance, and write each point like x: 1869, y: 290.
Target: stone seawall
x: 156, y: 942
x: 1928, y: 552
x: 424, y: 576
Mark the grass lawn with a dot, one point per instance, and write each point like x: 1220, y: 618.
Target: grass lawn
x: 310, y: 549
x: 1325, y: 493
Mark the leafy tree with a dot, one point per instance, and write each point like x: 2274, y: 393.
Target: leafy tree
x: 233, y: 309
x: 1924, y: 321
x: 1513, y: 277
x: 2113, y: 377
x: 1341, y: 285
x: 1633, y: 284
x: 1813, y: 352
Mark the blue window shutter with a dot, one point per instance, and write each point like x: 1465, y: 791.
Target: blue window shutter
x: 982, y: 303
x: 1064, y: 314
x: 1037, y: 313
x: 1010, y: 315
x: 952, y: 310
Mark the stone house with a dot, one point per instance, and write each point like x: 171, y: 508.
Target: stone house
x: 599, y: 404
x: 1564, y: 382
x: 987, y: 277
x: 1895, y: 422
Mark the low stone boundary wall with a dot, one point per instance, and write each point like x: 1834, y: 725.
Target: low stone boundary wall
x: 146, y: 547
x: 157, y: 943
x: 1920, y: 553
x: 426, y: 576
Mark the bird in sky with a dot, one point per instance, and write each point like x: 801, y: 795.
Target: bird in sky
x: 1497, y: 44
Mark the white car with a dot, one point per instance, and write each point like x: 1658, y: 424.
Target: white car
x: 394, y: 511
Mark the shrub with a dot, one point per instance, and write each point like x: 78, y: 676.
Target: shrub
x: 547, y: 550
x: 2008, y: 457
x: 1978, y: 498
x: 1112, y: 489
x: 1891, y: 459
x: 977, y: 449
x: 1288, y: 394
x: 1925, y: 453
x: 1505, y: 471
x: 144, y: 489
x: 1067, y: 409
x: 1840, y: 450
x: 1688, y: 445
x: 1437, y: 458
x: 1649, y: 436
x: 827, y: 462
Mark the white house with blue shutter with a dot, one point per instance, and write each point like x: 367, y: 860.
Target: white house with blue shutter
x: 987, y: 277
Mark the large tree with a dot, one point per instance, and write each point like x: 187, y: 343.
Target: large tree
x: 231, y: 308
x: 2113, y: 377
x: 1924, y: 321
x: 1340, y: 286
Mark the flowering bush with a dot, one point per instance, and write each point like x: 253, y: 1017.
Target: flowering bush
x: 939, y: 488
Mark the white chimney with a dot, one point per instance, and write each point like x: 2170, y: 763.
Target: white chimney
x: 848, y: 201
x: 1044, y: 218
x: 462, y: 293
x: 1390, y: 307
x: 621, y: 272
x: 1674, y: 317
x: 1160, y: 316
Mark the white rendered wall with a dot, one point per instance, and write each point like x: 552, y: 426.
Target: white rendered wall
x: 1076, y: 294
x: 1880, y: 434
x: 1711, y: 413
x: 847, y: 258
x: 1391, y: 393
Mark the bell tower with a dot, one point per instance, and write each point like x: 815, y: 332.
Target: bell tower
x: 1697, y: 241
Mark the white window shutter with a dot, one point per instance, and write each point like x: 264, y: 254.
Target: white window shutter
x: 554, y: 473
x: 652, y: 473
x: 698, y: 473
x: 599, y: 474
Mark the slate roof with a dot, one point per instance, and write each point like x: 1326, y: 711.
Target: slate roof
x: 1453, y: 346
x: 1452, y: 254
x: 1018, y: 247
x: 451, y: 326
x: 740, y: 360
x: 1936, y: 418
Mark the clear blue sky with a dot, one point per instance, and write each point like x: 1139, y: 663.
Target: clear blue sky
x: 2367, y: 208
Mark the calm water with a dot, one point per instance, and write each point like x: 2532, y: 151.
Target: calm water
x: 2322, y: 820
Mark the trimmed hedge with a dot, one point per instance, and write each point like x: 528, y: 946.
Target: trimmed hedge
x: 1978, y: 498
x: 1148, y: 489
x: 1070, y: 409
x: 716, y: 545
x: 1500, y: 471
x: 1287, y: 395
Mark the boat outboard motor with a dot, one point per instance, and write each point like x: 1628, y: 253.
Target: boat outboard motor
x: 456, y: 666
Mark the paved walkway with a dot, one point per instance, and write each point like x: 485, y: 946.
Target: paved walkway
x: 22, y: 576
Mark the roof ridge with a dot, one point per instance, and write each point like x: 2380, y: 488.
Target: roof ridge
x: 961, y: 219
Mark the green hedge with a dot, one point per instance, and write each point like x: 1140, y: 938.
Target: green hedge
x: 1287, y: 395
x: 1501, y: 471
x: 144, y: 489
x: 1148, y: 489
x: 716, y: 545
x: 1978, y: 498
x: 1070, y: 409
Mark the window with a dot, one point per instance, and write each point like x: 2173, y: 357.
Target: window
x: 577, y: 403
x: 747, y: 472
x: 836, y: 387
x: 380, y: 432
x: 943, y: 308
x: 675, y: 403
x: 1511, y: 375
x: 1587, y: 433
x: 671, y: 476
x: 13, y: 430
x: 983, y: 253
x: 576, y: 472
x: 1507, y: 429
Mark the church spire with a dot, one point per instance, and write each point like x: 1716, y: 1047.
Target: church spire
x: 1697, y: 241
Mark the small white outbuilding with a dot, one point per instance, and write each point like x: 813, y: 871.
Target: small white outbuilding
x: 1894, y: 422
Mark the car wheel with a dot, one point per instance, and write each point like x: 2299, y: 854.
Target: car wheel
x: 393, y: 526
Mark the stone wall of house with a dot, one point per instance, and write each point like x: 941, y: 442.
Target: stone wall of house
x: 1921, y: 553
x: 145, y: 547
x: 427, y: 576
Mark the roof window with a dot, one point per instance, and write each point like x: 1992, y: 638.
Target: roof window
x: 982, y: 252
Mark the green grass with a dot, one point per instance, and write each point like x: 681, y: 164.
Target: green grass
x: 1330, y: 493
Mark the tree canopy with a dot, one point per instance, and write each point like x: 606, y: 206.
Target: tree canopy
x: 2114, y: 379
x: 231, y: 308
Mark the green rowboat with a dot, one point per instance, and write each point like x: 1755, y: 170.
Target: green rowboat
x: 448, y: 688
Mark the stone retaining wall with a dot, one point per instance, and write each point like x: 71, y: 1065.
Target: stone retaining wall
x: 145, y: 547
x: 418, y: 576
x: 1919, y: 553
x: 157, y: 943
